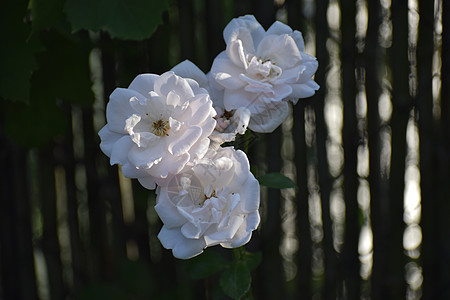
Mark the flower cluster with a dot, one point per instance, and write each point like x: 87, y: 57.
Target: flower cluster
x: 167, y: 131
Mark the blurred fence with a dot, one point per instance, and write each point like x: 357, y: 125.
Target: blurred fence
x: 370, y: 154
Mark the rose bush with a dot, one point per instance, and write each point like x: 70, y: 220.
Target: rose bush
x: 167, y: 132
x: 158, y: 126
x: 215, y: 202
x: 261, y: 70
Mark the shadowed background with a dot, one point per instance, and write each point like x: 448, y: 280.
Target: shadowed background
x: 369, y: 153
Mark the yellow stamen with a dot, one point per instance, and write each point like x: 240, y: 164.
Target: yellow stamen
x: 213, y: 194
x: 161, y: 128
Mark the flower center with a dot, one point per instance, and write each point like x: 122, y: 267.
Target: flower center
x: 227, y: 114
x: 263, y: 69
x: 205, y: 197
x: 161, y: 128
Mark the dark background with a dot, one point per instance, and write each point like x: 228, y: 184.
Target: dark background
x: 369, y: 153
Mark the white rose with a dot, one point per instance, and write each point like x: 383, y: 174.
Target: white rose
x: 158, y: 126
x: 229, y: 123
x: 216, y: 202
x: 261, y: 69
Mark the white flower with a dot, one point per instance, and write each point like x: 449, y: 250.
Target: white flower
x: 158, y: 126
x: 216, y: 202
x: 261, y: 69
x: 229, y: 123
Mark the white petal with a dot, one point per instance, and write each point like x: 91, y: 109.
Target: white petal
x: 199, y: 149
x: 241, y: 118
x: 148, y: 182
x: 145, y: 157
x: 280, y: 49
x: 250, y: 195
x: 225, y: 73
x: 279, y: 28
x: 182, y: 247
x: 143, y: 83
x: 233, y: 99
x: 130, y: 171
x: 185, y: 140
x: 202, y: 107
x: 237, y: 54
x: 216, y: 237
x: 167, y: 212
x: 108, y: 139
x: 120, y: 150
x: 155, y: 106
x: 170, y: 164
x: 304, y: 90
x: 187, y: 69
x: 191, y: 231
x: 241, y: 169
x: 256, y: 86
x: 168, y: 82
x: 173, y: 99
x: 208, y: 127
x: 282, y: 91
x: 291, y: 75
x: 175, y: 125
x: 214, y: 171
x: 248, y: 23
x: 306, y: 71
x: 269, y: 119
x: 298, y: 38
x: 119, y: 109
x: 244, y: 233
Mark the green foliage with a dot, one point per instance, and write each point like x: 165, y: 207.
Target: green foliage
x: 205, y: 265
x: 62, y: 74
x: 17, y: 52
x: 251, y: 260
x: 236, y: 280
x: 45, y: 13
x: 276, y: 181
x: 64, y: 69
x: 132, y: 281
x: 33, y: 124
x: 125, y: 19
x: 45, y: 67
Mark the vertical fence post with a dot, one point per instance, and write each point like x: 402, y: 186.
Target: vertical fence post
x: 373, y: 60
x: 18, y: 280
x: 428, y: 143
x: 395, y: 285
x: 350, y: 263
x: 444, y: 159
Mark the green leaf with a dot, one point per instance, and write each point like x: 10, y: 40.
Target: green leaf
x: 33, y: 124
x: 136, y: 278
x: 17, y: 52
x: 252, y: 260
x: 63, y: 74
x: 235, y: 281
x: 276, y: 181
x: 125, y: 19
x: 64, y: 70
x: 45, y: 13
x: 205, y: 265
x: 104, y: 290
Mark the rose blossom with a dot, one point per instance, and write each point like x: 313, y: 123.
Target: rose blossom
x: 229, y: 123
x: 158, y: 126
x: 261, y: 70
x: 216, y: 202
